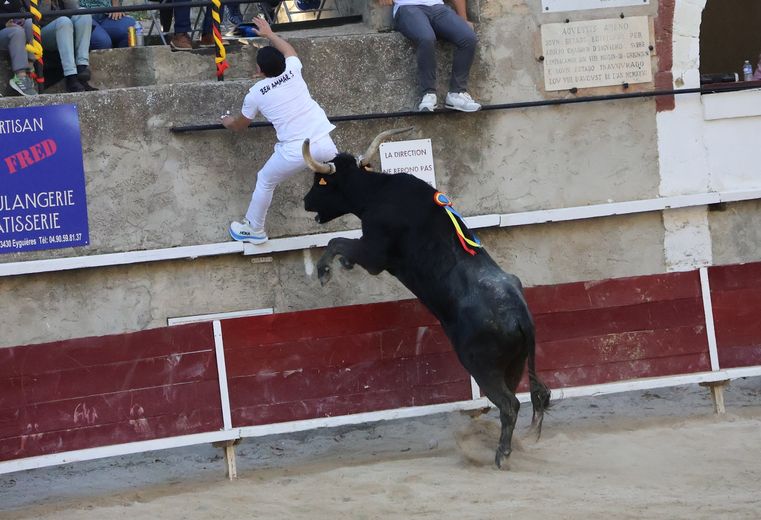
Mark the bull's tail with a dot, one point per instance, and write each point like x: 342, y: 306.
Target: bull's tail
x: 540, y: 394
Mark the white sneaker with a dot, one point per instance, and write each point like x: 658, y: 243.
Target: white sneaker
x: 461, y: 101
x: 243, y: 232
x: 428, y: 103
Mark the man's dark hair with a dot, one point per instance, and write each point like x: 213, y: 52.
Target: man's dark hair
x: 271, y: 61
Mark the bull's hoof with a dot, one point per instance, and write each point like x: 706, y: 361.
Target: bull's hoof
x: 323, y: 274
x: 500, y: 457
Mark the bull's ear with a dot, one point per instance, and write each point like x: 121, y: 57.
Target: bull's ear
x: 323, y: 182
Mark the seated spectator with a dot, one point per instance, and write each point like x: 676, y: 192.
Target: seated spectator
x: 233, y: 15
x: 423, y: 22
x: 109, y: 30
x: 181, y: 41
x: 70, y: 36
x: 14, y: 36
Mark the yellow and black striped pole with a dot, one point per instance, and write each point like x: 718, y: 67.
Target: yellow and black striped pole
x: 221, y: 56
x: 35, y: 48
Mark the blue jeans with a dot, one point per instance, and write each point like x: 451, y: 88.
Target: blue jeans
x: 108, y: 33
x: 181, y: 19
x: 70, y: 36
x: 423, y: 24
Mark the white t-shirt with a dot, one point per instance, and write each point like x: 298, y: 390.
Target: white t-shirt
x: 286, y: 103
x: 400, y: 3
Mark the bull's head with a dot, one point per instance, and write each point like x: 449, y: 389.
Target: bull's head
x: 329, y: 196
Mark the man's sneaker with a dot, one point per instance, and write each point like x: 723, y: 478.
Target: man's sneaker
x: 181, y: 42
x: 428, y: 103
x: 461, y: 101
x: 243, y: 232
x: 23, y: 85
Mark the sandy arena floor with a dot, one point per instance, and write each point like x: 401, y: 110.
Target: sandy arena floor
x: 654, y: 454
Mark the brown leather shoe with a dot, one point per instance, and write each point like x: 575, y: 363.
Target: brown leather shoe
x: 181, y: 42
x: 207, y: 40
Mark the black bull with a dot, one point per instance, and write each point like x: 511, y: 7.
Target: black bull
x: 481, y: 308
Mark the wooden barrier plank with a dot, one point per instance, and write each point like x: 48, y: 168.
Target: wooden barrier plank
x: 736, y: 299
x: 31, y: 443
x: 623, y: 370
x: 323, y: 323
x: 738, y: 276
x: 623, y: 346
x: 98, y: 410
x: 103, y: 350
x: 326, y: 407
x: 597, y: 322
x: 106, y: 379
x: 316, y: 353
x: 618, y: 292
x: 409, y: 342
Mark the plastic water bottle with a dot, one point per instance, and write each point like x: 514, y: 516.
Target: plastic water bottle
x: 139, y: 38
x: 747, y: 71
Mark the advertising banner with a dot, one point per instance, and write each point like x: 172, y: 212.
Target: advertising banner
x: 42, y: 180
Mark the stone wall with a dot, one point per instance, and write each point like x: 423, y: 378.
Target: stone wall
x: 149, y: 188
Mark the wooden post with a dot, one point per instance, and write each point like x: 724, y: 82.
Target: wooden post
x: 229, y: 449
x: 717, y: 395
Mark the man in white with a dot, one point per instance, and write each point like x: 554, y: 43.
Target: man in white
x: 283, y: 99
x: 423, y: 21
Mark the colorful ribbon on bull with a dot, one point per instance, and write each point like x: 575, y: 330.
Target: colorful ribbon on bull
x: 35, y: 48
x: 221, y: 57
x: 443, y: 201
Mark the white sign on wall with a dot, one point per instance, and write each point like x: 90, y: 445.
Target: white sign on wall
x: 596, y: 53
x: 414, y: 157
x: 556, y: 6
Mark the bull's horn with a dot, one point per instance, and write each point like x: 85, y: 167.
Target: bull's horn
x: 319, y: 167
x: 362, y: 160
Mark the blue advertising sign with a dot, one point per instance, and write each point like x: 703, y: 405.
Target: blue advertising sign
x: 42, y: 179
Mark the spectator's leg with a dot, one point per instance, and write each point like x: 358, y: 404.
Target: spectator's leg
x: 13, y: 40
x: 58, y: 35
x: 449, y: 26
x: 275, y: 170
x: 412, y: 21
x: 82, y: 32
x: 29, y: 38
x: 117, y: 30
x: 99, y: 39
x: 181, y: 20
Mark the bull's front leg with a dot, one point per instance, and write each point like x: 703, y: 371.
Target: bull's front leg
x: 351, y: 251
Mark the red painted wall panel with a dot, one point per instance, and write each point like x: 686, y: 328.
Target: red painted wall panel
x: 736, y: 300
x: 90, y: 392
x: 339, y: 360
x: 613, y: 330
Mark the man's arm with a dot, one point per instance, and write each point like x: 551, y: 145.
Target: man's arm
x: 235, y: 123
x: 461, y: 8
x: 265, y: 31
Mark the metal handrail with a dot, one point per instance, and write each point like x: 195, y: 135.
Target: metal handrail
x: 733, y: 87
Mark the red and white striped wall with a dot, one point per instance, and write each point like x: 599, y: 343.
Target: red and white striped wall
x: 256, y: 375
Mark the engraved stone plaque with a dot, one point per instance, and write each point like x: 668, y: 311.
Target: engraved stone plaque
x: 596, y: 53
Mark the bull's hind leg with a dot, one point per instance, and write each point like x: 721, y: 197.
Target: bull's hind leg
x: 492, y: 383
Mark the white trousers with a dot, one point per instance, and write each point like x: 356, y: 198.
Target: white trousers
x: 280, y: 166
